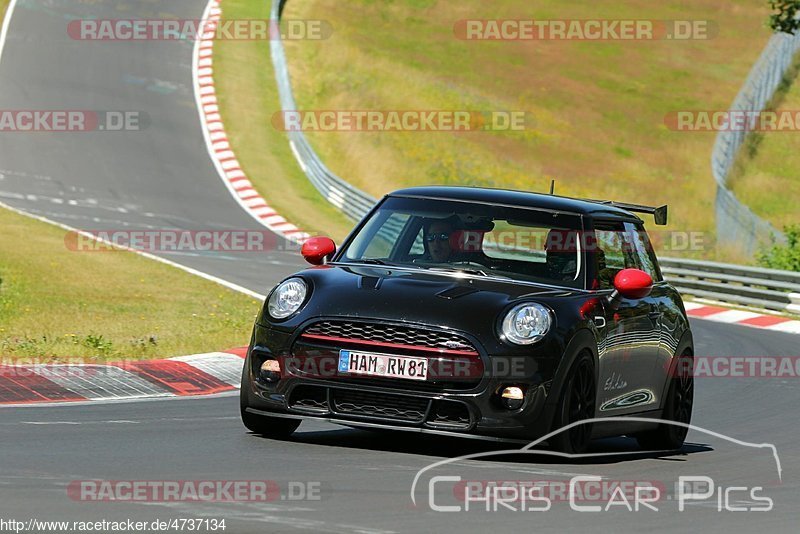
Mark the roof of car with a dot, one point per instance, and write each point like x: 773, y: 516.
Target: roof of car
x: 515, y: 198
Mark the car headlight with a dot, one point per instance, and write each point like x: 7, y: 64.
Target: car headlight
x: 287, y: 298
x: 525, y: 324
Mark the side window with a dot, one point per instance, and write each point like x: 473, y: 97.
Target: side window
x: 614, y: 253
x: 645, y: 255
x: 379, y: 238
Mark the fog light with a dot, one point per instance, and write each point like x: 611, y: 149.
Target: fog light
x: 270, y: 371
x: 512, y: 397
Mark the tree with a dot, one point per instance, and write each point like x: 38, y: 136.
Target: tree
x: 785, y: 17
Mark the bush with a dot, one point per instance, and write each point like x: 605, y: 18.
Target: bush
x: 786, y: 257
x: 785, y: 19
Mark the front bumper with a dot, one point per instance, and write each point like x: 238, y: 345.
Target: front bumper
x: 470, y: 408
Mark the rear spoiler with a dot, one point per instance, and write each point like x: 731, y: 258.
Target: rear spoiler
x: 659, y: 213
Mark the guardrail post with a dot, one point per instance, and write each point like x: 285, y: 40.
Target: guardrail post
x: 794, y: 307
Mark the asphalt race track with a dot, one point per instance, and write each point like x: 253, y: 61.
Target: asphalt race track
x: 162, y: 177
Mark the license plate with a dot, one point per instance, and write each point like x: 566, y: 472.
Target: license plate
x: 371, y: 364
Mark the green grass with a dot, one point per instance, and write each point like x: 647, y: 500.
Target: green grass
x: 3, y: 6
x: 57, y: 304
x: 766, y: 176
x: 599, y: 107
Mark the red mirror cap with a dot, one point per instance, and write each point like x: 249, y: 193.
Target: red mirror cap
x: 633, y: 284
x: 316, y: 249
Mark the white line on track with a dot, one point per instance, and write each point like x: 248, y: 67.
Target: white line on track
x: 130, y: 421
x: 113, y: 422
x: 96, y: 402
x: 6, y: 24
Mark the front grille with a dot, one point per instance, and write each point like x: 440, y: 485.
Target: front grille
x: 385, y: 406
x: 390, y: 334
x: 454, y: 362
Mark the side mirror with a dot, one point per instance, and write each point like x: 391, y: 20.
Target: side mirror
x: 633, y: 284
x: 316, y: 250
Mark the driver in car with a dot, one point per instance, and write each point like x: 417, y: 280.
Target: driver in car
x: 437, y: 235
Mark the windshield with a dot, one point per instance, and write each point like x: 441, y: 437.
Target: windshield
x: 478, y: 239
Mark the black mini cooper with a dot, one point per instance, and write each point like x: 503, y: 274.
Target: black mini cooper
x: 478, y: 313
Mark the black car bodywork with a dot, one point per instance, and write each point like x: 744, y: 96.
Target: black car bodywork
x: 629, y: 348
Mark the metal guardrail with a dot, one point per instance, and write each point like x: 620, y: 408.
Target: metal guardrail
x: 746, y: 286
x: 736, y: 223
x: 350, y: 200
x: 737, y: 284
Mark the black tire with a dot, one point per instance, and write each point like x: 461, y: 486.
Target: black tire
x: 677, y: 407
x: 269, y: 427
x: 577, y: 402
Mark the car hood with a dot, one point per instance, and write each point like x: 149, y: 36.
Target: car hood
x: 466, y: 303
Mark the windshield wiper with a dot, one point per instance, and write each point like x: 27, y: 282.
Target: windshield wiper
x: 454, y: 269
x: 376, y: 261
x: 476, y: 272
x: 372, y: 261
